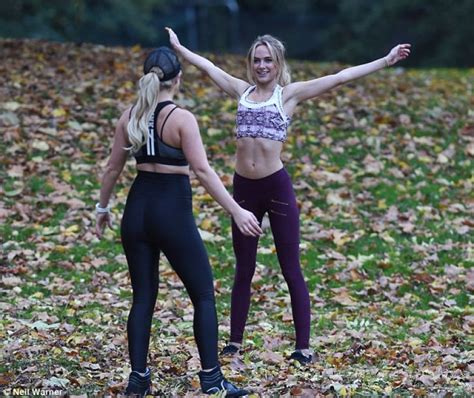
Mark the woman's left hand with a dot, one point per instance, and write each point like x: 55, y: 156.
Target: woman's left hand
x: 398, y: 53
x: 101, y: 221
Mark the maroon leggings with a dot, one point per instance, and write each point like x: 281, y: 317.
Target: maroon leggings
x: 273, y: 194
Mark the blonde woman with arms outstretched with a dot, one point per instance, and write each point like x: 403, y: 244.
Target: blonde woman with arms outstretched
x: 266, y: 103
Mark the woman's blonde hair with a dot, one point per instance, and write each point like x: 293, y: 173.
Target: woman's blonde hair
x: 149, y: 87
x: 277, y: 51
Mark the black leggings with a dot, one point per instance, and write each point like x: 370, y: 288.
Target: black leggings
x: 158, y: 218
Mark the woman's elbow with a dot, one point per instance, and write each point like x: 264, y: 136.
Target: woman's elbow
x: 202, y: 170
x: 113, y: 170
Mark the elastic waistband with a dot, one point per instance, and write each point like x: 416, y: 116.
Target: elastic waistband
x: 161, y: 176
x: 265, y: 182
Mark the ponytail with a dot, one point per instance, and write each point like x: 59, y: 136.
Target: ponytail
x: 142, y: 112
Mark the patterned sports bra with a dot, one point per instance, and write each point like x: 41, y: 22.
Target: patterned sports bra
x: 262, y: 119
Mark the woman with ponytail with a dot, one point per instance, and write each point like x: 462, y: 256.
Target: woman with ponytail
x: 165, y: 141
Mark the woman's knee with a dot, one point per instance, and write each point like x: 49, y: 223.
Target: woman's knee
x: 244, y: 275
x: 204, y: 296
x: 293, y: 276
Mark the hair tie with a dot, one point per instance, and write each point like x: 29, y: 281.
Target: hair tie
x: 157, y: 71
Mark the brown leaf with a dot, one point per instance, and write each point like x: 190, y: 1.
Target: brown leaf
x: 273, y: 357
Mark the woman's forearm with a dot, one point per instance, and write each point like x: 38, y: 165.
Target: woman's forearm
x: 195, y: 59
x: 109, y: 179
x: 355, y: 72
x: 213, y: 184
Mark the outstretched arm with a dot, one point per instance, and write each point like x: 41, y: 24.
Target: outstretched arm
x: 228, y: 83
x: 297, y: 92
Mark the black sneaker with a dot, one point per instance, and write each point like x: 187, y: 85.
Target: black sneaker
x: 303, y: 359
x: 138, y: 385
x: 229, y: 350
x: 213, y: 382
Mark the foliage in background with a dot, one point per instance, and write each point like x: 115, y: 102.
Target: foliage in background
x: 439, y: 30
x: 351, y: 31
x: 80, y: 20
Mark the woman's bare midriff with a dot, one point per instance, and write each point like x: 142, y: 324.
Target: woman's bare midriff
x: 258, y: 157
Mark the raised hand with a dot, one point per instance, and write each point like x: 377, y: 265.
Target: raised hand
x: 174, y: 41
x: 247, y: 223
x: 398, y: 53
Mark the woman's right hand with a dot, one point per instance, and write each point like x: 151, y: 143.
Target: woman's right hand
x: 174, y: 41
x: 247, y: 222
x: 101, y: 221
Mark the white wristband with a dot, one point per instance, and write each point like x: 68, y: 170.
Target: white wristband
x: 101, y: 210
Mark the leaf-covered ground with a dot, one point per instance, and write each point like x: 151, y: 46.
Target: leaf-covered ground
x: 383, y: 172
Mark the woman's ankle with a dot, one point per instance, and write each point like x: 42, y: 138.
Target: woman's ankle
x: 141, y: 372
x: 210, y: 369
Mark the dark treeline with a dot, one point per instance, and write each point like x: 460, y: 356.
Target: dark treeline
x: 349, y: 31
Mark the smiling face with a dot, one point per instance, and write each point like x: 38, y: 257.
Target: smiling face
x: 264, y: 67
x: 266, y: 62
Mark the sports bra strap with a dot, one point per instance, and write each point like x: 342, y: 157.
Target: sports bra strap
x: 166, y: 119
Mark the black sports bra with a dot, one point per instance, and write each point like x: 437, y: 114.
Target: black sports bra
x: 155, y: 150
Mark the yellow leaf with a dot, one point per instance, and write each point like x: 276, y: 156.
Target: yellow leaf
x: 70, y: 231
x: 211, y: 132
x: 340, y: 238
x: 425, y: 159
x: 204, y: 119
x: 128, y: 85
x: 206, y: 224
x: 60, y: 248
x: 382, y: 204
x: 66, y: 175
x: 49, y: 231
x: 206, y: 198
x: 402, y: 164
x: 343, y: 391
x: 415, y: 342
x: 201, y: 91
x: 136, y: 48
x: 59, y: 112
